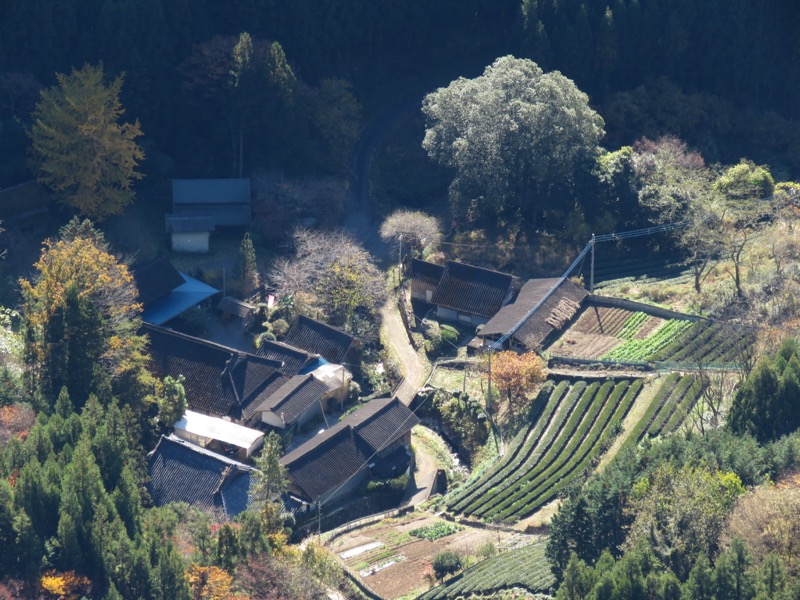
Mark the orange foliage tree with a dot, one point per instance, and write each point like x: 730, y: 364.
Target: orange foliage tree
x: 516, y: 374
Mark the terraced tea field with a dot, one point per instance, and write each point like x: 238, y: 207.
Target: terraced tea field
x: 577, y: 422
x: 526, y: 568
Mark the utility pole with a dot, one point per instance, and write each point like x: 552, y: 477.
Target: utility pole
x: 591, y: 276
x: 400, y: 259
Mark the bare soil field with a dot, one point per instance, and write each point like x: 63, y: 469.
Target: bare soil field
x: 395, y: 567
x: 604, y: 320
x: 576, y: 344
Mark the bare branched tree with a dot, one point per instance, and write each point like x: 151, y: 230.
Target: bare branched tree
x: 335, y: 271
x: 414, y: 230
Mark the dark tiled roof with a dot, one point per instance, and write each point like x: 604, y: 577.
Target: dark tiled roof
x: 188, y: 224
x: 472, y: 290
x: 319, y: 338
x: 254, y: 404
x: 293, y: 359
x: 424, y: 272
x: 382, y: 422
x: 329, y: 465
x: 529, y: 296
x: 295, y: 397
x: 182, y: 472
x: 156, y: 279
x: 328, y: 459
x: 560, y: 306
x: 219, y: 380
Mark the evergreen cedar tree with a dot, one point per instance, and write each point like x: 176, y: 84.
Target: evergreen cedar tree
x: 79, y: 148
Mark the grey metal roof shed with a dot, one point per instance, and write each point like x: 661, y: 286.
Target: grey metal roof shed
x: 226, y: 201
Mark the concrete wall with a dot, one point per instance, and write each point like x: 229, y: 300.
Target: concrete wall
x: 638, y: 306
x: 421, y: 291
x: 190, y: 242
x: 451, y: 315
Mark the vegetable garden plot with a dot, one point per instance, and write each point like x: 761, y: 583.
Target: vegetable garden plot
x: 637, y: 350
x: 617, y: 334
x: 526, y: 568
x: 573, y: 430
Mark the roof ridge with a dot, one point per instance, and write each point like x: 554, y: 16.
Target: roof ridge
x: 495, y: 271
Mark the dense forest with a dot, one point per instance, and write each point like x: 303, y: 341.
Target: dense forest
x: 724, y: 76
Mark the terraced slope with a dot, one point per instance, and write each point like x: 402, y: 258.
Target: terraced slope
x: 525, y: 568
x: 577, y: 423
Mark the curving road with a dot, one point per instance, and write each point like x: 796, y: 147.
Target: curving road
x: 360, y: 222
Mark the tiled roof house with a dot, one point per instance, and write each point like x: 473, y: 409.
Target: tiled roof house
x: 219, y: 381
x: 335, y: 462
x: 246, y: 388
x: 424, y: 277
x: 555, y: 302
x: 313, y: 336
x: 469, y: 294
x: 182, y: 472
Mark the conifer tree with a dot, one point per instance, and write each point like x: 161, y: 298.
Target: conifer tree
x: 246, y: 267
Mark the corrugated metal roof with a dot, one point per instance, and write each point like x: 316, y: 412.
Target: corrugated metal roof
x: 188, y: 224
x: 218, y: 429
x: 190, y: 293
x: 211, y: 191
x: 561, y: 305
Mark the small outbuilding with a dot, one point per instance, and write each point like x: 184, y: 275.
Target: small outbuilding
x: 226, y: 201
x: 189, y: 234
x: 424, y: 277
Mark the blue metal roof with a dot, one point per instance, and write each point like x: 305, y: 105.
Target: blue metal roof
x: 182, y: 298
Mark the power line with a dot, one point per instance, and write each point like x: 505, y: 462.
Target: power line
x: 498, y: 344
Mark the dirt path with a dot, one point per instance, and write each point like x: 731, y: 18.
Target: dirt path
x: 425, y: 468
x: 412, y: 366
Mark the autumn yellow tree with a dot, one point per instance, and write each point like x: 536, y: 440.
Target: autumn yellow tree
x: 515, y: 375
x: 81, y: 310
x: 80, y: 149
x: 209, y: 583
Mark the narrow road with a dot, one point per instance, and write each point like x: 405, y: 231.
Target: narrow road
x: 412, y: 366
x: 360, y: 224
x: 425, y: 469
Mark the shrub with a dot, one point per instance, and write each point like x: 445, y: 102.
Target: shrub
x: 279, y: 328
x: 449, y: 333
x: 446, y: 563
